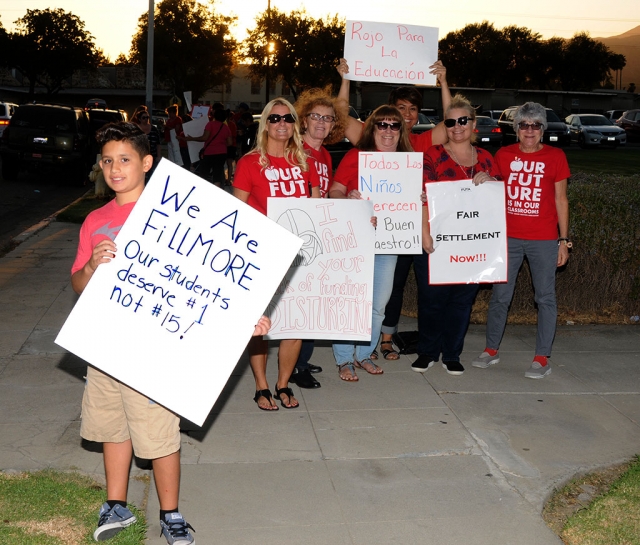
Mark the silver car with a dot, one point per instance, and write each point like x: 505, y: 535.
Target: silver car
x: 7, y: 109
x: 595, y: 130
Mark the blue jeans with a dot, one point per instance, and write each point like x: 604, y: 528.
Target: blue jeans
x: 543, y: 259
x: 383, y: 269
x: 305, y: 354
x: 443, y: 314
x: 394, y: 306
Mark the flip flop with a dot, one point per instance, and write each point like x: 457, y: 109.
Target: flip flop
x: 289, y: 393
x: 386, y: 352
x: 267, y: 395
x: 349, y: 366
x: 369, y: 366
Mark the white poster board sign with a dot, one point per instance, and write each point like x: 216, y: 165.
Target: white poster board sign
x: 393, y: 182
x: 328, y: 291
x: 200, y: 110
x: 390, y: 53
x: 171, y: 315
x: 195, y: 128
x: 468, y: 225
x: 173, y: 148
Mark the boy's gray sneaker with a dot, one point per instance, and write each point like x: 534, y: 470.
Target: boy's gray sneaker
x: 176, y: 530
x: 112, y: 520
x: 537, y: 370
x: 485, y: 359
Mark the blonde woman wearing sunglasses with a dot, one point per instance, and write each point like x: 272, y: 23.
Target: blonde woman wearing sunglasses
x: 276, y: 167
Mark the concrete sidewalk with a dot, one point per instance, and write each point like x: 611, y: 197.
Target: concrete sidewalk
x: 398, y: 458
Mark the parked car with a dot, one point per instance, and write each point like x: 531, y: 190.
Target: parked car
x: 340, y: 149
x: 6, y: 111
x: 96, y: 103
x: 630, y: 122
x: 487, y: 132
x: 613, y: 115
x: 159, y: 118
x: 49, y: 137
x: 595, y: 130
x: 556, y: 133
x: 493, y: 114
x: 98, y: 118
x: 424, y: 124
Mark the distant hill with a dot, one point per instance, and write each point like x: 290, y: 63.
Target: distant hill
x: 628, y: 44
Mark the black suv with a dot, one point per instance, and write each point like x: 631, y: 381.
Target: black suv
x: 50, y: 137
x: 557, y: 133
x: 630, y: 122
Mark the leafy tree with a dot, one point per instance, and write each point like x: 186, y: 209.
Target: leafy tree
x: 4, y: 45
x: 586, y: 63
x: 522, y: 48
x: 193, y: 47
x: 49, y: 46
x: 295, y: 47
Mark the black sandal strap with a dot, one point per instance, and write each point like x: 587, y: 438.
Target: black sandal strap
x: 263, y: 393
x: 286, y: 391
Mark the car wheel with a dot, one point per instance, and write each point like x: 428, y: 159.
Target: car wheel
x: 10, y: 170
x: 581, y: 142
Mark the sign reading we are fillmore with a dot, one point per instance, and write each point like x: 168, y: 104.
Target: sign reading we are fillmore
x: 468, y: 225
x: 328, y: 291
x: 393, y: 181
x: 170, y: 316
x: 391, y: 53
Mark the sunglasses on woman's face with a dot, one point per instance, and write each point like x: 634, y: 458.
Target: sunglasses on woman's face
x: 462, y: 121
x: 275, y: 118
x: 383, y: 126
x: 524, y: 126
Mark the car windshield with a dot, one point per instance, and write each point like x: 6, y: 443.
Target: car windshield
x: 44, y: 118
x: 595, y: 120
x: 485, y: 121
x: 551, y: 116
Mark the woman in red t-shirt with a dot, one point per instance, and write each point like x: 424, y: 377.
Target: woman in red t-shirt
x: 277, y: 167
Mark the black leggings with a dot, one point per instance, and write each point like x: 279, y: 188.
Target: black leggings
x: 211, y: 168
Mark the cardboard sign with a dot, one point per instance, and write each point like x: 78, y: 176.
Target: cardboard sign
x: 173, y: 148
x: 328, y: 291
x: 171, y: 315
x: 390, y: 53
x: 195, y: 128
x: 469, y: 229
x: 393, y: 182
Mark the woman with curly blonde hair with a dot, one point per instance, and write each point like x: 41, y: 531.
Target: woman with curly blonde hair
x: 276, y: 167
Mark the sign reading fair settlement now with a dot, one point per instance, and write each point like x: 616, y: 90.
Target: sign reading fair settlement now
x: 393, y: 182
x: 171, y: 315
x: 469, y: 229
x: 391, y: 53
x: 328, y: 291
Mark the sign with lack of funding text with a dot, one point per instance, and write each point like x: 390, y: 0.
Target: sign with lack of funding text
x: 468, y: 224
x: 393, y: 182
x: 171, y: 314
x: 328, y: 291
x: 390, y: 53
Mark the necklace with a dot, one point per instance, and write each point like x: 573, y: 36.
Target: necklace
x: 463, y: 168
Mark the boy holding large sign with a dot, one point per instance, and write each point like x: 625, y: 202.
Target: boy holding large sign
x: 113, y: 414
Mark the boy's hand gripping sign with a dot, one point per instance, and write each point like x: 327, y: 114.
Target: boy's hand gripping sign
x: 391, y: 53
x: 468, y: 227
x: 170, y: 316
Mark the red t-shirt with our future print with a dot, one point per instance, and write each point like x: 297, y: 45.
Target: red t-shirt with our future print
x: 279, y: 179
x: 530, y: 182
x: 321, y: 161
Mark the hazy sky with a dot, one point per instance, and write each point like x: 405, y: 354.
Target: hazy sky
x: 113, y: 22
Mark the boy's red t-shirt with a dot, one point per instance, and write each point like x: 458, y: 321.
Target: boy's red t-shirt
x: 101, y: 224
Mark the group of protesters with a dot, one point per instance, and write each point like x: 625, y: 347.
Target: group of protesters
x: 290, y: 140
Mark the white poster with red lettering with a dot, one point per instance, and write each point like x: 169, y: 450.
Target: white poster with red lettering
x: 393, y: 182
x: 390, y: 53
x: 468, y: 226
x: 328, y: 291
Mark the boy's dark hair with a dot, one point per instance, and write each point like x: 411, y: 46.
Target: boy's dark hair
x: 410, y: 94
x: 124, y: 132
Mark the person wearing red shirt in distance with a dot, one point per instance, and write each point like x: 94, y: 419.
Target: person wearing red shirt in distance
x: 444, y: 310
x: 409, y: 101
x: 277, y: 167
x: 535, y: 177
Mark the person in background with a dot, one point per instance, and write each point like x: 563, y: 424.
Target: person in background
x: 232, y: 150
x: 444, y: 310
x: 278, y: 147
x: 322, y: 121
x: 409, y: 101
x: 175, y: 123
x: 249, y: 131
x: 540, y: 233
x: 142, y: 118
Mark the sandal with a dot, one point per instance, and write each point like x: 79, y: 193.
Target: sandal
x: 389, y: 354
x: 368, y: 366
x: 374, y: 355
x: 267, y: 395
x: 289, y: 393
x: 352, y: 377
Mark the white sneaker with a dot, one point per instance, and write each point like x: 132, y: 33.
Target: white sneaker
x: 485, y: 359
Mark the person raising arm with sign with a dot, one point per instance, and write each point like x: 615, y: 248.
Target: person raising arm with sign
x: 277, y: 167
x: 444, y: 310
x: 386, y: 131
x: 535, y: 178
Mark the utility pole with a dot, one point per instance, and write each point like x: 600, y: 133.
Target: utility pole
x: 150, y: 33
x: 268, y: 78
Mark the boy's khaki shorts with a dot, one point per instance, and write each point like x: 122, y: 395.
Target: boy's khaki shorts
x: 113, y: 413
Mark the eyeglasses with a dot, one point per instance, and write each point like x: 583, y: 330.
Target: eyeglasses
x: 383, y: 126
x: 524, y: 126
x: 275, y: 118
x: 143, y: 117
x: 325, y: 118
x: 462, y: 121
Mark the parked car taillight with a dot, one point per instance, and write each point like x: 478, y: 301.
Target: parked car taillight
x: 496, y: 129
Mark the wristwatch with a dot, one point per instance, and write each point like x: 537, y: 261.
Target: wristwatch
x: 566, y: 241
